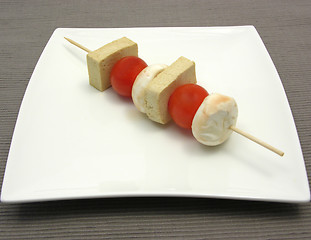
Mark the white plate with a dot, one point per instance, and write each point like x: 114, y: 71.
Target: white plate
x: 72, y: 141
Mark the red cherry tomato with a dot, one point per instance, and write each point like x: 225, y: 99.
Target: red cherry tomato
x: 124, y: 73
x: 184, y: 102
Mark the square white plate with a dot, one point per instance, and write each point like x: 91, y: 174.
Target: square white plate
x: 72, y: 141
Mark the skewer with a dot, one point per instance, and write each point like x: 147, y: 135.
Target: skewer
x: 78, y: 45
x: 258, y: 141
x: 239, y: 131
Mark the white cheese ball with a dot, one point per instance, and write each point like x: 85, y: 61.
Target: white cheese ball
x: 213, y: 119
x: 141, y: 82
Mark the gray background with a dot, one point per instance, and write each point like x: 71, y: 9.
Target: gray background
x: 25, y: 27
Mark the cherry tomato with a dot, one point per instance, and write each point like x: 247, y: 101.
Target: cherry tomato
x: 184, y: 102
x: 124, y: 73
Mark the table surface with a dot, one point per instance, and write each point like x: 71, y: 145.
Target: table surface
x: 26, y: 26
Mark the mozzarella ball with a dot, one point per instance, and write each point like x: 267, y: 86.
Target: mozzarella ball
x: 212, y: 121
x: 141, y: 82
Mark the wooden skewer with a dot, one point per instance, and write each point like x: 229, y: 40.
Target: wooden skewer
x: 78, y: 45
x: 256, y: 140
x: 239, y: 131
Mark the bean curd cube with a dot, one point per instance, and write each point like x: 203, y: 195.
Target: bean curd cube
x: 101, y: 61
x: 159, y: 89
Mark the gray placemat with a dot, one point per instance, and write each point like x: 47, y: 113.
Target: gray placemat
x: 25, y: 27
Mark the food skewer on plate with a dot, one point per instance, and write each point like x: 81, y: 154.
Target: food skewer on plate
x: 164, y: 92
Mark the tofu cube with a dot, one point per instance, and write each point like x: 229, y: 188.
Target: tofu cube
x: 101, y: 61
x: 159, y: 89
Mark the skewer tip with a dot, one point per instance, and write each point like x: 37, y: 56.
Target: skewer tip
x: 77, y: 44
x: 258, y: 141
